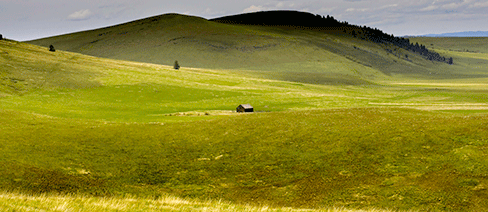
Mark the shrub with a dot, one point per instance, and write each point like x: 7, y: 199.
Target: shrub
x: 51, y: 48
x: 176, y: 66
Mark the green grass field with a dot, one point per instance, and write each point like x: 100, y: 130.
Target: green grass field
x: 462, y: 44
x: 332, y: 131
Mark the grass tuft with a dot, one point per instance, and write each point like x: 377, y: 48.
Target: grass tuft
x: 47, y: 202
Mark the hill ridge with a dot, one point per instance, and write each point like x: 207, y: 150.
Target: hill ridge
x: 329, y: 23
x: 273, y: 52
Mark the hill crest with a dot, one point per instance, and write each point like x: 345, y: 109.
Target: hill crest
x: 278, y: 18
x: 273, y: 52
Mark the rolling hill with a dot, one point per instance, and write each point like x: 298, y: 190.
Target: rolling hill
x: 364, y: 134
x: 284, y: 53
x: 458, y: 44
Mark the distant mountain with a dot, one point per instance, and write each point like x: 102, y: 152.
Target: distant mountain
x: 460, y: 34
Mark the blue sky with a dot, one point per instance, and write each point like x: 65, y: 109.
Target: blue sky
x: 30, y: 19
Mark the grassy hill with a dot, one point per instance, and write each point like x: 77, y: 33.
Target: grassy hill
x: 292, y: 54
x: 77, y: 125
x: 70, y: 85
x: 64, y: 84
x: 459, y: 44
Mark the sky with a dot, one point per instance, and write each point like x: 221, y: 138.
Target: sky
x: 32, y: 19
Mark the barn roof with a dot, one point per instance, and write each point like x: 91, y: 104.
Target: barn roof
x: 246, y: 106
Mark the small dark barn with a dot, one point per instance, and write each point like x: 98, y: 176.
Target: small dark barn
x: 244, y: 108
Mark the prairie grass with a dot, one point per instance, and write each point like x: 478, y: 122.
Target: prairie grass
x: 70, y: 85
x: 111, y: 130
x: 461, y: 44
x: 48, y: 202
x: 388, y: 158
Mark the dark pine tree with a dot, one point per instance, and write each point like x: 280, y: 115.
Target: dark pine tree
x: 176, y: 65
x: 353, y: 33
x: 51, y: 48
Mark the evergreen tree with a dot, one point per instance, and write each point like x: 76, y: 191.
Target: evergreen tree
x: 353, y: 33
x: 176, y: 66
x: 51, y: 48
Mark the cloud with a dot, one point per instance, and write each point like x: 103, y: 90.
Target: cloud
x: 479, y: 4
x: 429, y: 8
x: 389, y: 6
x: 254, y: 9
x: 286, y: 5
x: 80, y: 15
x: 325, y: 10
x: 357, y: 10
x: 393, y: 20
x: 450, y: 6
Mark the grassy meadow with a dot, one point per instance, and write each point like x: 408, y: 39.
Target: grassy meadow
x: 458, y: 44
x: 121, y: 204
x: 333, y: 131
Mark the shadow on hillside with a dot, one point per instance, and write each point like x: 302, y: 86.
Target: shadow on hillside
x: 317, y: 78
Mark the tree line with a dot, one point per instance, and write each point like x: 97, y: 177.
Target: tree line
x: 285, y: 18
x: 378, y: 36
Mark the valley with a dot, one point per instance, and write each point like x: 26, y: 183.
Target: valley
x: 339, y: 122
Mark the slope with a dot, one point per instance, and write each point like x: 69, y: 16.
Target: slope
x: 278, y: 53
x: 64, y: 84
x: 460, y: 44
x: 77, y: 124
x: 71, y: 85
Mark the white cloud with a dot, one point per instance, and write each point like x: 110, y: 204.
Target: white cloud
x: 429, y: 8
x: 389, y: 6
x: 479, y: 4
x: 253, y: 9
x: 210, y: 12
x: 325, y: 10
x: 451, y: 6
x: 357, y: 10
x: 455, y: 5
x: 80, y: 15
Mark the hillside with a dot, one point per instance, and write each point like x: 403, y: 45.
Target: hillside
x: 72, y: 124
x: 71, y: 85
x: 309, y: 56
x: 458, y: 44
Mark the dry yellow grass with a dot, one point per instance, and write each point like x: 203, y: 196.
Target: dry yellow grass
x: 51, y: 202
